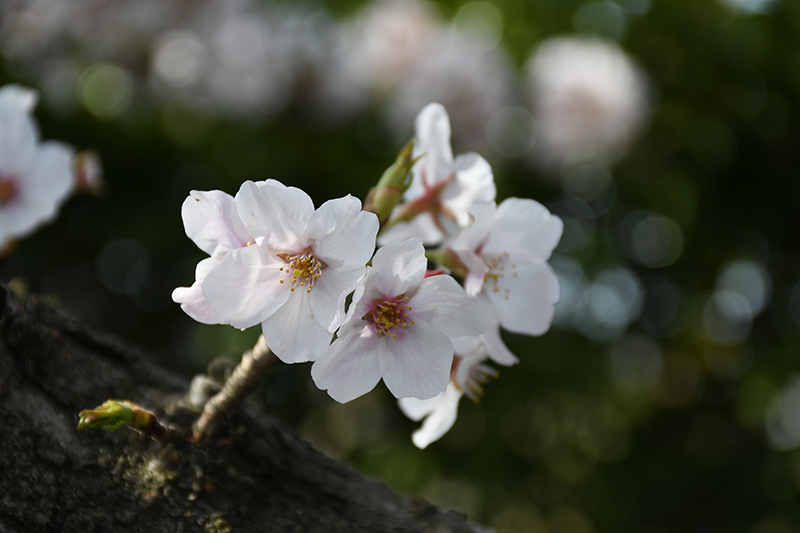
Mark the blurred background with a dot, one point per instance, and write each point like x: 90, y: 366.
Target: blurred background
x: 665, y: 398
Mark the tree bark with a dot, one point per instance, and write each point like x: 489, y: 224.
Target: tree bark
x: 255, y: 475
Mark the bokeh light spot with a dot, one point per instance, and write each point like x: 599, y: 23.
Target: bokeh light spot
x: 105, y: 90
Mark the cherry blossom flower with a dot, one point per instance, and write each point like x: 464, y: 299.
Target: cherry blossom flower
x: 293, y: 276
x: 35, y: 178
x: 212, y: 222
x: 399, y: 328
x: 442, y: 190
x: 590, y: 100
x: 467, y: 377
x: 505, y: 252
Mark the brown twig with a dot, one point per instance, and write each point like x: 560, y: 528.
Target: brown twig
x: 244, y: 378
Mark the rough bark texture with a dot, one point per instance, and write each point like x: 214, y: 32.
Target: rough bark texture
x: 257, y: 476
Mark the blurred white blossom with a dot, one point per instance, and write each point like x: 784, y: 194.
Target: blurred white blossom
x: 457, y: 70
x: 371, y: 53
x: 35, y: 178
x: 589, y: 98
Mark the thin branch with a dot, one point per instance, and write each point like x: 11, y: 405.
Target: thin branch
x: 245, y: 377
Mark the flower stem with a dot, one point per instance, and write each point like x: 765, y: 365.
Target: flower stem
x: 244, y: 378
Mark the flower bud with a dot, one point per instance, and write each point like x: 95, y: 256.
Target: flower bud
x: 383, y: 198
x: 114, y: 414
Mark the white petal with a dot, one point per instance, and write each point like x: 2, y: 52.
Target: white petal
x: 417, y: 363
x: 472, y: 351
x: 441, y: 420
x: 343, y: 235
x: 417, y: 409
x: 498, y: 351
x: 348, y: 368
x: 293, y: 333
x: 280, y: 212
x: 442, y: 303
x: 476, y: 271
x: 475, y: 235
x: 49, y: 178
x: 525, y: 227
x: 433, y: 140
x: 245, y: 289
x: 18, y: 136
x: 191, y: 298
x: 397, y: 268
x: 45, y: 184
x: 474, y: 183
x: 211, y: 221
x: 526, y: 303
x: 18, y: 97
x: 421, y: 227
x: 329, y: 293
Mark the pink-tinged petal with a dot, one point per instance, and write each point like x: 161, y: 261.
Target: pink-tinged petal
x: 526, y: 303
x: 421, y: 227
x: 348, y: 368
x: 526, y: 227
x: 211, y: 221
x: 342, y: 234
x: 442, y: 303
x: 476, y: 271
x: 398, y: 267
x: 474, y: 236
x: 293, y: 332
x: 329, y: 293
x: 441, y: 420
x: 474, y: 183
x: 498, y: 351
x: 416, y: 363
x: 280, y: 212
x: 191, y: 298
x: 245, y: 289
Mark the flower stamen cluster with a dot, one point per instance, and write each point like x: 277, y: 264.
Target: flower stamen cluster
x: 390, y: 314
x: 497, y: 271
x: 304, y: 268
x: 478, y: 375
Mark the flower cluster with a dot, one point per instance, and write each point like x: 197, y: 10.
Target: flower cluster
x: 276, y: 261
x: 35, y: 177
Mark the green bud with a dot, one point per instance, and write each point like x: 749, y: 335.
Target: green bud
x: 448, y: 259
x: 114, y: 414
x: 383, y: 198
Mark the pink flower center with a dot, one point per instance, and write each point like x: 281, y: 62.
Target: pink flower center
x: 8, y: 189
x: 303, y: 268
x: 430, y: 202
x: 389, y: 314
